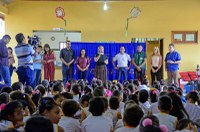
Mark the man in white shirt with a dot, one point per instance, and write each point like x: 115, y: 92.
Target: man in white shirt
x: 122, y: 67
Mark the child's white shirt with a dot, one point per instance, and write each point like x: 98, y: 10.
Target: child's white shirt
x: 97, y: 124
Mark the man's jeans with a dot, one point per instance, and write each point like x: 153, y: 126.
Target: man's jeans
x: 5, y: 74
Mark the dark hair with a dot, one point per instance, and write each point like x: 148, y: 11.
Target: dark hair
x: 117, y: 93
x: 58, y: 87
x: 133, y: 115
x: 162, y: 93
x: 85, y: 53
x: 10, y: 49
x: 98, y: 91
x: 17, y: 86
x: 47, y: 46
x: 76, y: 88
x: 114, y: 103
x: 145, y: 81
x: 165, y: 103
x: 28, y: 89
x: 6, y: 36
x: 70, y: 107
x: 46, y: 103
x: 193, y: 95
x: 56, y: 96
x: 128, y: 102
x: 156, y: 84
x: 151, y: 128
x: 67, y: 95
x: 154, y: 119
x: 4, y: 98
x: 36, y: 96
x: 105, y: 101
x: 153, y: 96
x: 85, y: 98
x: 19, y: 38
x: 131, y: 87
x: 136, y: 82
x: 41, y: 88
x: 183, y: 123
x: 178, y: 109
x: 133, y: 97
x: 96, y: 106
x: 17, y: 95
x: 38, y: 124
x: 6, y: 90
x: 87, y: 89
x: 143, y: 96
x: 171, y: 44
x: 39, y: 46
x: 10, y: 109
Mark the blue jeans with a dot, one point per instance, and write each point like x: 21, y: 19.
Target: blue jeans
x: 122, y: 71
x: 26, y: 75
x: 139, y: 74
x: 67, y: 73
x: 82, y: 75
x: 11, y: 70
x: 5, y: 75
x: 37, y: 77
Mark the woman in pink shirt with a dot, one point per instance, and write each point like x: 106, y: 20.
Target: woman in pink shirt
x: 83, y: 62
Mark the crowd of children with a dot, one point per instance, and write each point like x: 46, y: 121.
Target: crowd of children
x: 80, y: 106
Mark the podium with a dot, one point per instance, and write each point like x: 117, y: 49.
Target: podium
x: 189, y: 81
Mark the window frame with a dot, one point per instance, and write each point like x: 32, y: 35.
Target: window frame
x: 184, y: 34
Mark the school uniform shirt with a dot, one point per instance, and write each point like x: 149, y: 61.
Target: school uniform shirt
x: 119, y: 124
x: 128, y: 129
x: 70, y: 124
x: 169, y: 121
x: 154, y: 108
x: 193, y: 111
x: 97, y: 124
x: 121, y: 108
x: 86, y: 111
x: 184, y: 130
x: 113, y: 115
x: 145, y: 107
x: 76, y: 98
x: 5, y: 124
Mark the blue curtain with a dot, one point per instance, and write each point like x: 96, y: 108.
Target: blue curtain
x: 110, y: 49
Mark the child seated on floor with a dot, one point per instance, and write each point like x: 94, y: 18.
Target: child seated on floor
x: 113, y: 112
x: 67, y: 122
x: 132, y: 116
x: 164, y: 106
x: 97, y: 122
x: 186, y: 125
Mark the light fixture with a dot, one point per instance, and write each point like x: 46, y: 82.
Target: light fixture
x: 105, y: 6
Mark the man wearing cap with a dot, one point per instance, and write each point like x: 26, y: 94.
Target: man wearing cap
x: 139, y: 62
x: 4, y: 69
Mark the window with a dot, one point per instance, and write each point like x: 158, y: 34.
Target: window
x: 2, y: 26
x: 184, y: 37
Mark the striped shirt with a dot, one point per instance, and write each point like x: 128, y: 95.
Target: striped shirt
x: 24, y: 53
x: 193, y: 111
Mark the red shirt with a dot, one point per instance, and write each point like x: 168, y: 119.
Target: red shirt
x: 82, y: 62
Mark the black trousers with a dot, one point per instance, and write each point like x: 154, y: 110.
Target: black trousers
x: 155, y: 75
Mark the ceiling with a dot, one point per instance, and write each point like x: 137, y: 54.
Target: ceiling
x: 5, y: 2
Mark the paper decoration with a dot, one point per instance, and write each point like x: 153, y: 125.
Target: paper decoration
x: 134, y: 13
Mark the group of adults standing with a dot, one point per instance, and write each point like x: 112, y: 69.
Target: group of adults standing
x: 30, y: 61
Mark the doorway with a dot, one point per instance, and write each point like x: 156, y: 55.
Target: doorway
x: 149, y: 50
